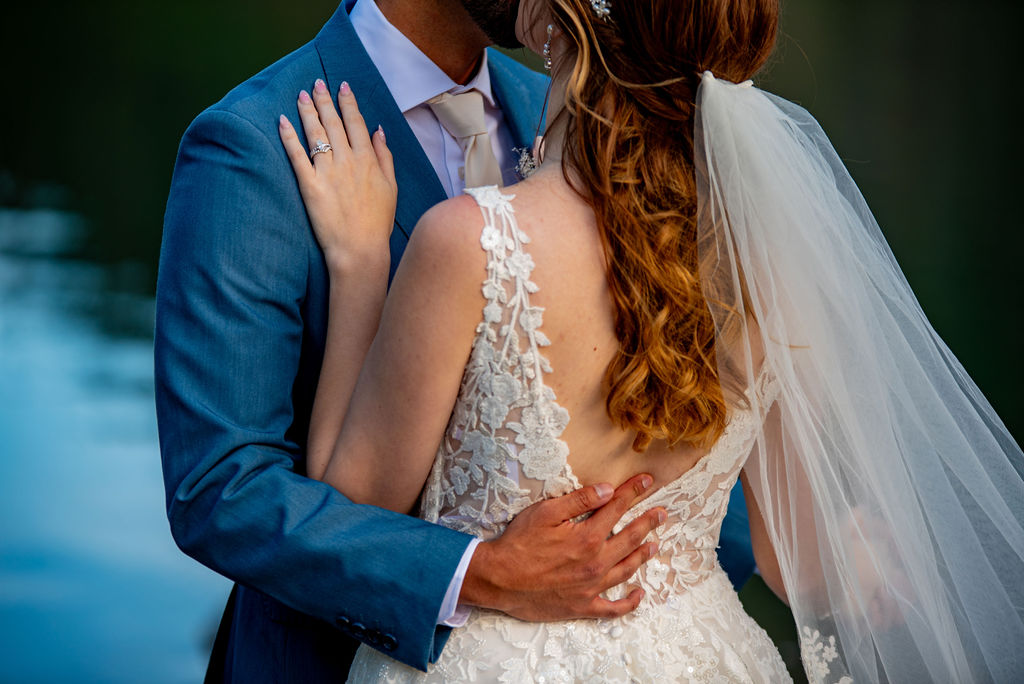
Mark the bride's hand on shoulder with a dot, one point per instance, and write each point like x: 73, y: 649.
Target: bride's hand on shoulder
x: 348, y: 186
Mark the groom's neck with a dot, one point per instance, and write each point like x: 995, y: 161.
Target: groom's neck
x: 442, y: 30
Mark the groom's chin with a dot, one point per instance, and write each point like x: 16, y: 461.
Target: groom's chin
x: 497, y: 19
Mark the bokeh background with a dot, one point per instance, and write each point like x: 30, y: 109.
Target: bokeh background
x: 919, y: 96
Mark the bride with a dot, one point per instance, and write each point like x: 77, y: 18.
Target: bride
x: 691, y: 275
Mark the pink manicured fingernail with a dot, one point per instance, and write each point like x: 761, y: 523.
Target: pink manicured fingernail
x: 646, y: 481
x: 284, y: 122
x: 380, y: 130
x: 345, y: 89
x: 304, y: 97
x: 604, y: 490
x: 319, y: 86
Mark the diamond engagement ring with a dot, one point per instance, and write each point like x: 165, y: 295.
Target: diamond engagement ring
x: 321, y: 146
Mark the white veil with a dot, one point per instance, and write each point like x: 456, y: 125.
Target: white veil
x: 891, y: 491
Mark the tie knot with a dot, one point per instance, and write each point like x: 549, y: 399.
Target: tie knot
x: 462, y: 115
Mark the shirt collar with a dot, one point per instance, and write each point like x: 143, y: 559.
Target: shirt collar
x: 411, y: 77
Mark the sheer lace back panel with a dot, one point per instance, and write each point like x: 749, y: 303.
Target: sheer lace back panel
x: 502, y: 450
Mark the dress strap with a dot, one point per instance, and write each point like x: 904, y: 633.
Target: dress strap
x: 512, y: 328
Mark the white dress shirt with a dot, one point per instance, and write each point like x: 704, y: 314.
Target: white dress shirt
x: 412, y: 78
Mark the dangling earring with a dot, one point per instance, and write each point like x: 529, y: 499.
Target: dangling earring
x: 547, y: 48
x: 530, y: 159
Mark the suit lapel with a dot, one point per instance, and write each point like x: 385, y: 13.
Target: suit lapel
x: 344, y: 59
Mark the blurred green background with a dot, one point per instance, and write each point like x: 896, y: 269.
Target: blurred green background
x: 919, y: 97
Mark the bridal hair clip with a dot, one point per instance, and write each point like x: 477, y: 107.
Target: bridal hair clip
x: 602, y: 8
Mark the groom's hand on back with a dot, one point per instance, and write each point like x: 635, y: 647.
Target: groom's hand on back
x: 547, y: 567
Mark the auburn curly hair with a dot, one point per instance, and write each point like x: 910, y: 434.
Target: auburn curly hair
x: 630, y: 104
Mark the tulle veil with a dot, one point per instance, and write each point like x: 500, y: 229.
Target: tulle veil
x: 891, y: 491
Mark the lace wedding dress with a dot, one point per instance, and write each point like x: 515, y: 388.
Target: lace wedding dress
x: 502, y: 452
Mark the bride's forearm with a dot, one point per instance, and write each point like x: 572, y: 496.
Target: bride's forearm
x: 357, y: 296
x: 764, y: 552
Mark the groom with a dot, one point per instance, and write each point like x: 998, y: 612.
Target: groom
x: 241, y: 322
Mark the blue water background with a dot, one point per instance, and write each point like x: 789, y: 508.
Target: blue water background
x: 92, y: 587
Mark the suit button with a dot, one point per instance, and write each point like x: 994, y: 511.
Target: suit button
x: 342, y: 622
x: 373, y: 638
x: 388, y: 642
x: 358, y: 630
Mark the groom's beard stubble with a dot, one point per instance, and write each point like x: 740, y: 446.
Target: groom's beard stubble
x: 497, y: 18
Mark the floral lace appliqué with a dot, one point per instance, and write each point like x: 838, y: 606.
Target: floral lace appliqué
x: 818, y: 654
x: 502, y: 449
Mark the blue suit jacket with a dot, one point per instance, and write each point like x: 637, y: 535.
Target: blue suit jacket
x: 241, y: 321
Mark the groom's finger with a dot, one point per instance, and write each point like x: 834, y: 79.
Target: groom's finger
x: 603, y: 608
x: 355, y: 126
x: 315, y: 132
x: 627, y: 494
x: 329, y: 116
x: 633, y: 535
x: 629, y: 565
x: 554, y: 512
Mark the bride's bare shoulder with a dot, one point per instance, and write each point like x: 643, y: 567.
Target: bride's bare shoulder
x: 453, y: 227
x: 450, y: 230
x: 558, y: 222
x: 444, y: 258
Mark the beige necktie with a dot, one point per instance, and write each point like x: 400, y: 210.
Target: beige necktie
x: 462, y: 115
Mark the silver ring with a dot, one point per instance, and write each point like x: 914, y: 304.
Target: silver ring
x: 321, y: 146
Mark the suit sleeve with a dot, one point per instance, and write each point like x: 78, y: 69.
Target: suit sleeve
x: 229, y: 337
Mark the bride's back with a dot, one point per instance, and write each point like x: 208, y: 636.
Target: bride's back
x: 531, y: 419
x: 578, y: 318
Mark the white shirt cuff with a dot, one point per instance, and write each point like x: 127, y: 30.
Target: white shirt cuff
x: 452, y: 614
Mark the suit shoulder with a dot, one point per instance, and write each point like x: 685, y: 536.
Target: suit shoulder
x: 251, y: 98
